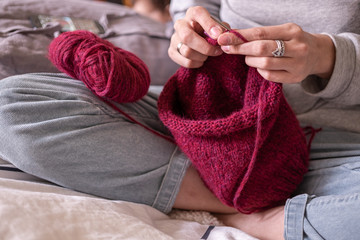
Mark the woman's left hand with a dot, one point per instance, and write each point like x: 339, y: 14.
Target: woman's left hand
x: 305, y: 54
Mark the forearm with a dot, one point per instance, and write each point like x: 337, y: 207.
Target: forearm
x: 178, y: 8
x: 344, y: 84
x: 326, y: 56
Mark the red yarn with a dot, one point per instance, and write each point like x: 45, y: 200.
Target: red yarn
x: 108, y: 71
x: 238, y: 131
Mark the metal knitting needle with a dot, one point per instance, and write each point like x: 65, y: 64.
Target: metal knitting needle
x: 221, y: 24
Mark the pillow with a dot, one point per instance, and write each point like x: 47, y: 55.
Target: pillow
x: 24, y: 49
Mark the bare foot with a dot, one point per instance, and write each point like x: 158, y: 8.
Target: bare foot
x: 266, y: 225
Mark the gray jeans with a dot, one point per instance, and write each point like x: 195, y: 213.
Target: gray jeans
x: 53, y: 127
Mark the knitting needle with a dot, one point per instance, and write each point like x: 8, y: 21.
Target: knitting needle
x: 221, y: 24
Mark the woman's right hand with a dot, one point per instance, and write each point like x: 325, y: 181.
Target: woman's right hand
x: 188, y: 47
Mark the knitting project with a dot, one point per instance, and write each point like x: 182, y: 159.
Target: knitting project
x: 238, y: 131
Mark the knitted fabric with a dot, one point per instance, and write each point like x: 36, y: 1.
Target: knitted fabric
x: 238, y: 131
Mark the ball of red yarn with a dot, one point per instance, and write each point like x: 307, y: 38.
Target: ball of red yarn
x: 108, y: 71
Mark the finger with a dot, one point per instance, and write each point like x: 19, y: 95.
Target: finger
x: 228, y: 38
x: 196, y: 59
x: 186, y: 52
x: 202, y: 16
x: 185, y: 62
x: 270, y: 63
x: 279, y: 76
x: 283, y: 32
x: 262, y: 48
x: 186, y: 34
x: 189, y: 53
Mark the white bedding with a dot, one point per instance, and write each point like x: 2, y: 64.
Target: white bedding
x: 31, y: 210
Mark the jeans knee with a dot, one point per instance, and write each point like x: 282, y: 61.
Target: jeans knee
x: 13, y: 81
x: 14, y: 118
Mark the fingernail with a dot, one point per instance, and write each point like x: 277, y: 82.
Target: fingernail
x: 225, y: 48
x: 215, y: 32
x: 226, y: 40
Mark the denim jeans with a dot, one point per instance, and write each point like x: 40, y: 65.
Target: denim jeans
x: 327, y: 203
x: 53, y: 127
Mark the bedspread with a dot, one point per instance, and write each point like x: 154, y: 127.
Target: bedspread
x: 42, y: 211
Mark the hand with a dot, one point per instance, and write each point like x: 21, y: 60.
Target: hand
x: 305, y: 53
x: 190, y: 31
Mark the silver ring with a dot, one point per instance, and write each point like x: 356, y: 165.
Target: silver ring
x: 178, y: 47
x: 280, y: 50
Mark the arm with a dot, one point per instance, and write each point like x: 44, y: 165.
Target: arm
x: 344, y: 84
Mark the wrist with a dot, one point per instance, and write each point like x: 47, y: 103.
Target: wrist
x: 326, y: 56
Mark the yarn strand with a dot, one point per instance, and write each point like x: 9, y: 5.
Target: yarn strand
x: 168, y: 138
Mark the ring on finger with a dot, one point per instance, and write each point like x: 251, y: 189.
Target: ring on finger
x: 178, y: 47
x: 280, y: 50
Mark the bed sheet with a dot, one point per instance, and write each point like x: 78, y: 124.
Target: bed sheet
x: 34, y: 209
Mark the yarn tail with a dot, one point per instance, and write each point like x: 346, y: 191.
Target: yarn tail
x: 308, y: 130
x: 168, y: 138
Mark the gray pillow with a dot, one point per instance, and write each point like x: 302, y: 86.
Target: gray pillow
x: 24, y: 49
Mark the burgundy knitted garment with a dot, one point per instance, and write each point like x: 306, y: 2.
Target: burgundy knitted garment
x: 238, y: 131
